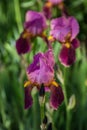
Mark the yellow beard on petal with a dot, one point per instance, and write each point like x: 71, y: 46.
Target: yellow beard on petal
x: 67, y: 44
x: 55, y: 83
x: 50, y: 38
x: 27, y: 83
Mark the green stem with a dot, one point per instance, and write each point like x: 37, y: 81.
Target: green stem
x: 66, y: 102
x: 42, y: 111
x: 18, y: 15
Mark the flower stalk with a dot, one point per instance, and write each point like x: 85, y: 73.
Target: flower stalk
x: 66, y: 101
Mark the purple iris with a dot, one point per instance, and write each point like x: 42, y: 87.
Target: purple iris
x: 34, y: 25
x: 41, y: 72
x: 65, y: 31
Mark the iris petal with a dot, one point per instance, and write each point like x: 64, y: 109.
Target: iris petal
x: 57, y: 97
x: 28, y: 98
x: 67, y: 56
x: 22, y: 45
x: 41, y: 70
x: 61, y: 27
x: 75, y: 43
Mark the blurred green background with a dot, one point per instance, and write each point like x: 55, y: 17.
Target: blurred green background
x: 12, y: 71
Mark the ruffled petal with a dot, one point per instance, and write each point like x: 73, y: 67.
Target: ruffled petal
x: 28, y: 98
x: 67, y: 56
x: 35, y: 22
x: 57, y: 97
x: 50, y: 57
x: 41, y: 70
x: 74, y: 26
x: 22, y: 46
x: 60, y: 28
x: 75, y: 43
x: 64, y: 28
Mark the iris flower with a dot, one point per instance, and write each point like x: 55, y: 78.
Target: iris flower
x: 65, y: 30
x: 41, y: 71
x: 34, y: 25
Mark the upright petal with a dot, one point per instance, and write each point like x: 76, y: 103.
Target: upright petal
x: 41, y: 70
x: 67, y: 55
x: 28, y: 99
x: 64, y: 28
x: 60, y: 28
x: 22, y: 45
x: 74, y: 26
x: 50, y: 57
x: 35, y: 22
x: 57, y: 97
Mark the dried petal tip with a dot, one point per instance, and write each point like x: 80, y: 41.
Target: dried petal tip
x: 49, y: 126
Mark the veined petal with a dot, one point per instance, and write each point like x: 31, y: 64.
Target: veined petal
x: 57, y: 97
x: 41, y: 70
x: 35, y: 22
x: 67, y: 56
x: 28, y: 98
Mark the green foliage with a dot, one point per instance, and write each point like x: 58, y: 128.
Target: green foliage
x: 12, y: 71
